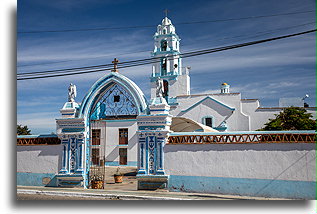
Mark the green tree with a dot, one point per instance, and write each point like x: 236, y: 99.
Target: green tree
x: 291, y: 118
x: 23, y: 130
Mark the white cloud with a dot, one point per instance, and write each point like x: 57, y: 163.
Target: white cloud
x: 266, y: 55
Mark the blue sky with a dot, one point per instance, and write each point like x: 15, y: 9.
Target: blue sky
x: 284, y: 68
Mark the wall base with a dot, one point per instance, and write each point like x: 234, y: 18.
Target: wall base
x: 152, y: 182
x: 244, y: 186
x: 70, y: 180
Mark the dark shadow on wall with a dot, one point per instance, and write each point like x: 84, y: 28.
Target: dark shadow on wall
x: 113, y: 155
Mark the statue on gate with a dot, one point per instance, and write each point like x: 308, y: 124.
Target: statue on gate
x: 159, y: 87
x: 72, y: 93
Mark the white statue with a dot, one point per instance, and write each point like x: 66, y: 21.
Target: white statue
x: 72, y: 93
x: 223, y: 124
x: 159, y: 87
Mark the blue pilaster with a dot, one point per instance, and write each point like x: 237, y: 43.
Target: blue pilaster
x: 153, y: 131
x: 71, y: 173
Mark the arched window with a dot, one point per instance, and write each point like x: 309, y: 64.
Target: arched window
x: 165, y: 85
x: 163, y: 64
x: 163, y: 45
x: 208, y: 121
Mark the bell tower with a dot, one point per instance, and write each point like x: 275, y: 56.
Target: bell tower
x: 167, y: 63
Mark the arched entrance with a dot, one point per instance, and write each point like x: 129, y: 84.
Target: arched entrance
x: 112, y: 98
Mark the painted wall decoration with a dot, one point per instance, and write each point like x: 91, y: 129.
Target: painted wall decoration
x: 72, y: 154
x: 115, y: 102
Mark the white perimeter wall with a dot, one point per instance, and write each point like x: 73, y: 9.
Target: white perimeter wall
x: 39, y: 159
x: 256, y: 161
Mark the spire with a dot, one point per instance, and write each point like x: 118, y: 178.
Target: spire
x: 166, y: 11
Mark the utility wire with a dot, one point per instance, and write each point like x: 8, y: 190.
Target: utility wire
x: 184, y: 55
x: 257, y: 34
x: 150, y: 26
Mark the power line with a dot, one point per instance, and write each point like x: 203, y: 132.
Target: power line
x: 150, y: 26
x: 185, y: 55
x: 257, y: 34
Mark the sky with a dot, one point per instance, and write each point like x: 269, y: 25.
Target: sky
x: 268, y: 71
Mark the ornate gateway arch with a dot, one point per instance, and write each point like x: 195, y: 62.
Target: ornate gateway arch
x: 112, y: 96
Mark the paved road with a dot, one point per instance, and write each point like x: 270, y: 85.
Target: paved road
x: 21, y: 196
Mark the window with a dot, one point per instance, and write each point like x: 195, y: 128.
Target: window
x: 123, y: 136
x: 123, y: 154
x: 163, y: 45
x: 116, y: 98
x: 95, y: 135
x: 208, y: 121
x: 95, y: 156
x: 165, y: 84
x: 163, y: 63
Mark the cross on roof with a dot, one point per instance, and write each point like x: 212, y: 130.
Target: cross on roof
x: 115, y: 65
x: 166, y: 11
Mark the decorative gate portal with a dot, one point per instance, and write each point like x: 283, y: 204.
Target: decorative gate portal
x: 82, y: 127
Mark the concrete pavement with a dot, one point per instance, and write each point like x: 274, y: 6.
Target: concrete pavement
x: 118, y: 194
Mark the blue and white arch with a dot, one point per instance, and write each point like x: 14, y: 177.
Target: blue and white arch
x: 96, y: 105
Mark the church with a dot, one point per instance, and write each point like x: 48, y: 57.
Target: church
x: 102, y: 129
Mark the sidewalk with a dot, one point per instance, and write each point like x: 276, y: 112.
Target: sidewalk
x: 116, y: 193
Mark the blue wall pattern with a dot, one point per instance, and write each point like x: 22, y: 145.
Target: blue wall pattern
x: 115, y: 102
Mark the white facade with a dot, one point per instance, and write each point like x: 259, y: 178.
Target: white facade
x: 238, y: 114
x: 109, y: 141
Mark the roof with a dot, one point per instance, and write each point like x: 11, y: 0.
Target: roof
x: 182, y: 124
x: 197, y: 95
x: 37, y: 136
x: 210, y: 98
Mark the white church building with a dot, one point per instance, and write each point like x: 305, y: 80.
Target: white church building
x: 108, y: 115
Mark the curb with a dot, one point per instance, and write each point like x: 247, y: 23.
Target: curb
x: 98, y: 195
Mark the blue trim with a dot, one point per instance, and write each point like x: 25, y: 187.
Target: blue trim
x: 167, y: 35
x: 220, y: 128
x: 166, y: 77
x: 116, y: 163
x: 65, y: 130
x: 37, y: 136
x: 35, y: 179
x: 244, y: 186
x: 220, y: 103
x: 243, y: 132
x: 150, y: 127
x: 160, y: 110
x: 124, y: 120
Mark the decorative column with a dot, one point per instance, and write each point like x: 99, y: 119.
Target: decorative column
x: 71, y: 131
x: 153, y: 130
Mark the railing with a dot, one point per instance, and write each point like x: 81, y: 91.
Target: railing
x: 242, y: 137
x: 32, y: 140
